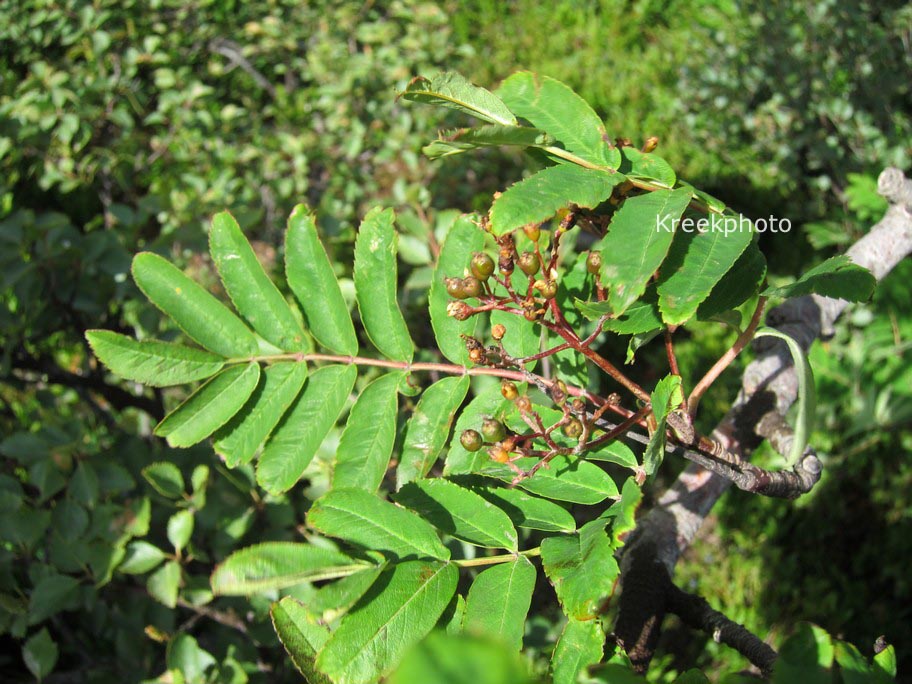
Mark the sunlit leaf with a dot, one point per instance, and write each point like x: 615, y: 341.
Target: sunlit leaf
x: 836, y: 277
x: 311, y: 278
x: 454, y: 91
x: 580, y: 645
x: 301, y: 636
x: 498, y: 601
x: 527, y: 511
x: 204, y: 318
x: 465, y: 139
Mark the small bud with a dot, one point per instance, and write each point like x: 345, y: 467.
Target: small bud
x: 532, y: 231
x: 477, y: 355
x: 498, y: 332
x: 493, y: 430
x: 532, y: 314
x: 523, y: 404
x: 528, y: 263
x: 482, y: 265
x: 594, y: 262
x: 559, y: 393
x: 459, y: 310
x: 472, y: 286
x: 573, y: 428
x: 455, y: 288
x: 471, y: 440
x: 508, y: 390
x: 578, y: 405
x: 650, y: 144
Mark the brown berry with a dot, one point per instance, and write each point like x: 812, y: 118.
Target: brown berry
x: 594, y: 262
x: 498, y: 332
x: 472, y: 286
x: 573, y: 428
x: 482, y: 265
x: 546, y: 288
x: 524, y: 404
x: 471, y: 440
x: 499, y: 454
x: 455, y: 288
x: 528, y: 263
x: 508, y: 390
x: 532, y: 231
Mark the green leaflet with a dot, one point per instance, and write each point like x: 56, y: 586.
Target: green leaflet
x: 738, y: 285
x: 429, y: 427
x: 666, y: 396
x: 395, y: 614
x: 836, y: 277
x: 158, y: 364
x: 204, y: 318
x: 640, y: 317
x: 527, y: 511
x: 614, y: 452
x: 459, y: 461
x: 301, y: 636
x: 495, y: 135
x: 459, y: 512
x: 375, y: 285
x: 277, y: 565
x: 141, y: 557
x: 568, y: 478
x: 637, y: 243
x: 463, y: 238
x: 553, y: 107
x: 311, y: 278
x: 165, y: 478
x: 696, y: 262
x: 210, y: 407
x: 648, y: 166
x: 498, y: 602
x: 540, y: 196
x: 622, y: 513
x: 254, y: 295
x: 278, y: 387
x: 293, y: 443
x: 180, y: 529
x: 582, y: 568
x: 807, y: 394
x: 336, y: 598
x: 367, y: 441
x: 452, y: 90
x: 164, y: 584
x: 365, y: 520
x: 452, y: 658
x: 580, y: 645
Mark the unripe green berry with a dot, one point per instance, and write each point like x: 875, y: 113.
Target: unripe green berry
x: 455, y: 288
x: 528, y: 263
x: 472, y: 286
x: 471, y: 440
x: 532, y: 231
x: 594, y: 262
x: 546, y: 288
x: 482, y: 265
x: 493, y: 430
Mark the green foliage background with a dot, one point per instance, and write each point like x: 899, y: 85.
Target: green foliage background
x: 125, y: 126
